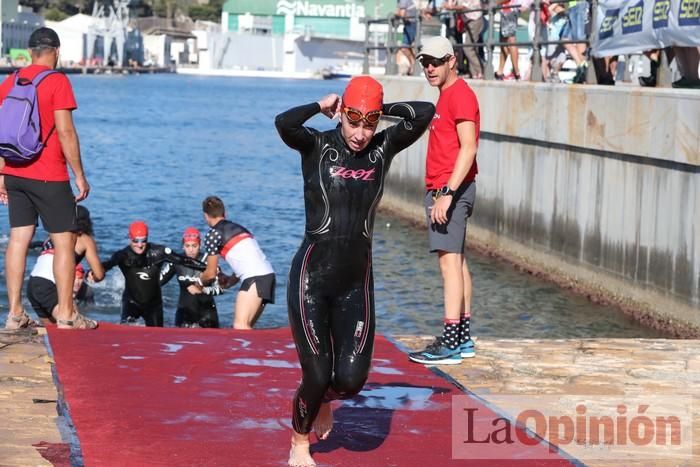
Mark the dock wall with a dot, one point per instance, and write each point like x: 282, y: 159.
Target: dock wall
x: 596, y: 187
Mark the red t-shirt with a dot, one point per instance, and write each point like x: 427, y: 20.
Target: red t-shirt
x: 54, y: 93
x: 456, y: 104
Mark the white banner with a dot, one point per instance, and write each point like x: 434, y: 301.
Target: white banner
x: 628, y: 26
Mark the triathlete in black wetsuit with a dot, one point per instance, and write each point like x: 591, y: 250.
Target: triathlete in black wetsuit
x: 330, y: 292
x: 140, y: 262
x: 196, y: 306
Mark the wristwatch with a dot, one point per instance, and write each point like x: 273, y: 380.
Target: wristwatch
x: 446, y: 191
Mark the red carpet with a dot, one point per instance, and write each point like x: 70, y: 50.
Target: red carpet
x: 149, y: 396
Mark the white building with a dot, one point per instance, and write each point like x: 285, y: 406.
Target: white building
x: 73, y: 33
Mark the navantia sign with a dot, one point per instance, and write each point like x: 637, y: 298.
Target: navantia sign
x: 306, y: 8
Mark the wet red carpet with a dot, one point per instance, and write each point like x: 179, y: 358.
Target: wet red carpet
x: 147, y: 396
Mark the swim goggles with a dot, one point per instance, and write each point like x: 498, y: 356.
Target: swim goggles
x: 355, y: 116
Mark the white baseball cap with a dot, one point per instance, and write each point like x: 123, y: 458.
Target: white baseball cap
x: 437, y: 47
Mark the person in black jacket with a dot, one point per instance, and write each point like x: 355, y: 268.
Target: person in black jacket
x: 330, y: 294
x: 140, y: 262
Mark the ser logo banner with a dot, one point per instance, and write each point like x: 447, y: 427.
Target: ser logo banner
x: 632, y: 20
x: 660, y: 18
x: 606, y: 27
x: 689, y: 13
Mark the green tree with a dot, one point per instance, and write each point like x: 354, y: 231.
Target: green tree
x: 205, y: 13
x: 54, y: 14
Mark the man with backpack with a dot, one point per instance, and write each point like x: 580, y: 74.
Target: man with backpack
x: 37, y: 139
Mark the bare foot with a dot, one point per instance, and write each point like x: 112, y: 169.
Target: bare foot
x: 324, y: 421
x: 299, y: 455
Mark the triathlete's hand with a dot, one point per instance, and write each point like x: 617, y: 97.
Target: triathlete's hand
x: 227, y: 281
x: 330, y: 105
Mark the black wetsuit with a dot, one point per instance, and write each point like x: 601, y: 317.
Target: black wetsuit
x: 330, y: 294
x: 198, y: 309
x: 142, y: 296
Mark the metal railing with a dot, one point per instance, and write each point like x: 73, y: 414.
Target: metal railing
x: 392, y: 45
x: 393, y: 42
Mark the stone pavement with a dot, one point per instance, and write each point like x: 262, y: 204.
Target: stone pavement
x: 660, y: 369
x: 29, y: 433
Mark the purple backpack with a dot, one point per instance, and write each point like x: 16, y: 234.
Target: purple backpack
x: 20, y: 126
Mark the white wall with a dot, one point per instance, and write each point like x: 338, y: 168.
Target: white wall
x: 155, y: 49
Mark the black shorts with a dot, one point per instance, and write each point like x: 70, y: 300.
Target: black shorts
x: 43, y: 296
x: 265, y: 285
x: 29, y: 200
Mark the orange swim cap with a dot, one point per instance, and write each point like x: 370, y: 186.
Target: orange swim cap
x: 138, y: 229
x: 364, y: 93
x: 191, y: 234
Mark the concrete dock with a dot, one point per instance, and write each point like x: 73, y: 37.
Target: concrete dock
x: 29, y: 434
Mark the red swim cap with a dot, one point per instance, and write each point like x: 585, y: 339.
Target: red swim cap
x: 364, y: 93
x: 138, y: 229
x: 191, y: 234
x: 79, y: 271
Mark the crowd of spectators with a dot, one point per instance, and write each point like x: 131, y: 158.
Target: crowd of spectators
x: 466, y: 23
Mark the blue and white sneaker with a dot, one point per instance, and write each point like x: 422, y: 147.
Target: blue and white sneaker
x: 468, y: 349
x: 436, y: 354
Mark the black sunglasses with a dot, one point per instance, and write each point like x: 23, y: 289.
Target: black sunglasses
x: 427, y: 60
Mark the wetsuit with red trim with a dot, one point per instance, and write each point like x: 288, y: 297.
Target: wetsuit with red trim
x: 330, y: 293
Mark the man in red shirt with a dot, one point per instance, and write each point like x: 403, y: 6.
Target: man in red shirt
x: 451, y: 188
x: 42, y: 187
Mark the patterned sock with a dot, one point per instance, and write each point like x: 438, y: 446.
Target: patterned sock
x: 450, y: 335
x: 464, y: 335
